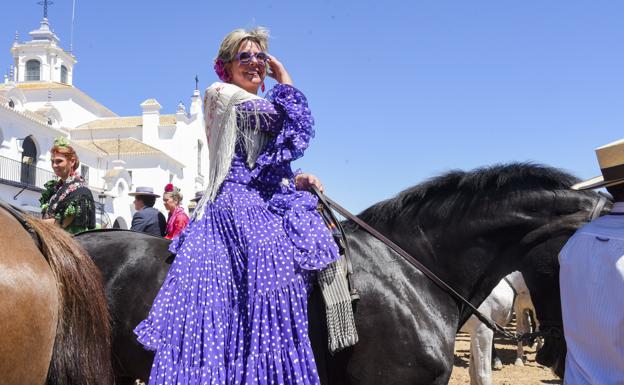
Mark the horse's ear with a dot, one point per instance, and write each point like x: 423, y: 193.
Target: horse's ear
x: 170, y: 259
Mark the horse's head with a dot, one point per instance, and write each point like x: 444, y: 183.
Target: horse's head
x: 540, y: 266
x: 474, y: 228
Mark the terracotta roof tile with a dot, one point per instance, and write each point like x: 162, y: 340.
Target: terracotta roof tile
x: 124, y: 122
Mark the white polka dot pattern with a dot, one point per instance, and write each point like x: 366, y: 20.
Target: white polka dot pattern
x: 233, y: 308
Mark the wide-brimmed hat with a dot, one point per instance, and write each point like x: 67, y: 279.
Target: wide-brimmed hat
x: 149, y: 191
x: 198, y: 196
x: 611, y: 161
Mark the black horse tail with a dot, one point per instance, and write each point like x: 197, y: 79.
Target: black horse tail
x: 81, y: 353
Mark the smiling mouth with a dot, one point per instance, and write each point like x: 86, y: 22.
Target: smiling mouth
x: 252, y: 73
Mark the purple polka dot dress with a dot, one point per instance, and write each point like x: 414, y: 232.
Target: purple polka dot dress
x: 233, y: 308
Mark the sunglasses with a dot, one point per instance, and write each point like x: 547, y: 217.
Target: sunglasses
x: 246, y: 57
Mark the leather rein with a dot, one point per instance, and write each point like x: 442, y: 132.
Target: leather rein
x: 330, y: 205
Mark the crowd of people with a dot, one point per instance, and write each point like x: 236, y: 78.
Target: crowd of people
x: 68, y: 202
x: 233, y: 309
x: 149, y: 220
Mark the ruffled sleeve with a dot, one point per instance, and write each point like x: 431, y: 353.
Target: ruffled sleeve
x: 293, y: 138
x: 302, y: 223
x: 306, y: 229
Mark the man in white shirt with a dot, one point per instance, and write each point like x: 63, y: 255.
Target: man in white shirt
x: 592, y: 284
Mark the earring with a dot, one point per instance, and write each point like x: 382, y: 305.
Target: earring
x: 262, y: 87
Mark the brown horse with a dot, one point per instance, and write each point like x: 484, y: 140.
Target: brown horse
x: 54, y: 321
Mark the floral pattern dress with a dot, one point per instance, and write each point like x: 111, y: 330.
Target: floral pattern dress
x: 70, y: 198
x: 233, y: 308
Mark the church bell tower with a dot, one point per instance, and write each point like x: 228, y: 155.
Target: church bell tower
x: 42, y: 59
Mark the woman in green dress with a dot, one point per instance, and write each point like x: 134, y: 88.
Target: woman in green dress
x: 67, y: 201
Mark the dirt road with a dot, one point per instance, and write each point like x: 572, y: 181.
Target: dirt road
x: 530, y: 374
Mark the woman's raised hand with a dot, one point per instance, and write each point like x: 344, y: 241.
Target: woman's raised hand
x: 278, y: 72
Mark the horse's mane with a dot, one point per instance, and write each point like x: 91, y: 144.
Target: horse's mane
x: 457, y: 190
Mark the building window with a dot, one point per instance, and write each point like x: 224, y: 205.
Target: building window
x: 199, y: 157
x: 63, y: 74
x: 11, y: 103
x: 84, y: 172
x: 120, y: 223
x: 33, y: 70
x: 29, y: 160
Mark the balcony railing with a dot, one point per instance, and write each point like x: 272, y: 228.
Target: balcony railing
x: 24, y: 175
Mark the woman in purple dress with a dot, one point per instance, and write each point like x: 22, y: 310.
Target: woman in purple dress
x: 233, y: 308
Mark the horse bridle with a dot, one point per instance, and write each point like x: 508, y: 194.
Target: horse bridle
x: 548, y: 330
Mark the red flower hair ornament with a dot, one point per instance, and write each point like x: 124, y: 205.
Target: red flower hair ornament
x: 169, y: 187
x: 219, y: 68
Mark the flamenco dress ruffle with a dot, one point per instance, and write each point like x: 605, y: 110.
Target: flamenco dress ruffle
x: 233, y: 308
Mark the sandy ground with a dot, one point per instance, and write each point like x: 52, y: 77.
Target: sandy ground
x: 530, y: 374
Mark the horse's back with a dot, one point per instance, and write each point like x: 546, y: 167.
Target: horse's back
x: 395, y: 315
x: 28, y: 307
x: 134, y: 266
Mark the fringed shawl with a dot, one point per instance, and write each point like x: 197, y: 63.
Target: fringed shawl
x: 222, y: 131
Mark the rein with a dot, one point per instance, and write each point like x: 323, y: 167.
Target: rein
x: 331, y: 205
x: 515, y: 293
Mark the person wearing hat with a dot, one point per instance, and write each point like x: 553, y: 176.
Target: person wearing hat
x: 147, y: 219
x: 592, y: 280
x: 195, y: 201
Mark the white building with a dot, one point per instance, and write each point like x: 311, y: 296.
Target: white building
x: 39, y: 102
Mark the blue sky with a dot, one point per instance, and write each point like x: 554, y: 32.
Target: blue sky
x: 401, y: 91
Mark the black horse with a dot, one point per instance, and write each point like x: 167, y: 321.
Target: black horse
x: 470, y: 228
x: 134, y: 266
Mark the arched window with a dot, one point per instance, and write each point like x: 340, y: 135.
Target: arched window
x: 200, y: 145
x: 33, y: 70
x: 63, y: 74
x: 121, y: 189
x: 120, y: 223
x: 29, y: 161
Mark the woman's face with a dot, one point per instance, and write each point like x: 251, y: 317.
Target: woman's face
x: 251, y: 75
x: 170, y: 203
x: 61, y: 165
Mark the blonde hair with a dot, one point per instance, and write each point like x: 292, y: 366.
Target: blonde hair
x: 176, y: 195
x: 232, y: 42
x: 68, y: 152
